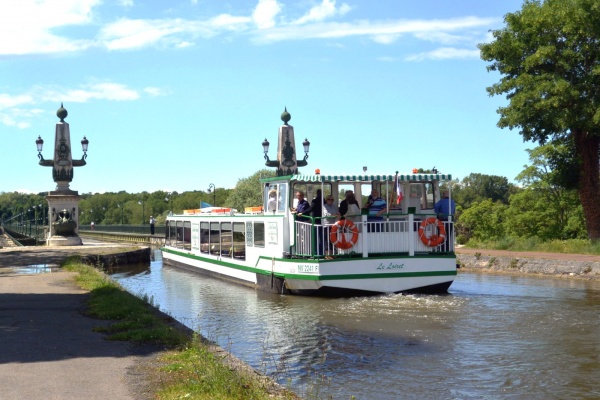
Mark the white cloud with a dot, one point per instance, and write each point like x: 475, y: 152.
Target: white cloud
x: 384, y: 32
x: 132, y: 34
x: 154, y: 91
x: 323, y: 11
x: 184, y: 44
x: 265, y: 12
x: 37, y: 32
x: 20, y: 109
x: 444, y: 53
x: 26, y: 25
x: 129, y: 33
x: 9, y: 101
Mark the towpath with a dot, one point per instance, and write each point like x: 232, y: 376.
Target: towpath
x: 48, y: 347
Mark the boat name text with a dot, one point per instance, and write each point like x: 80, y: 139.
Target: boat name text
x: 390, y: 266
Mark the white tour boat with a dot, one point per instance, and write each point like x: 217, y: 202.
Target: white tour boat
x: 266, y: 247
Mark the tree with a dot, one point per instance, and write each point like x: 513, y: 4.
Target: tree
x: 477, y: 187
x: 248, y: 191
x: 483, y: 221
x: 544, y: 208
x: 549, y: 59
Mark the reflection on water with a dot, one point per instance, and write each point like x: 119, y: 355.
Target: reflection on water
x: 493, y: 336
x: 36, y: 269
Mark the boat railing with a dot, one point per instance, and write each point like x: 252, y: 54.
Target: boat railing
x: 313, y: 239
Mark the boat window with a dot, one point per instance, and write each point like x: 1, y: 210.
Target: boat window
x: 186, y: 240
x: 215, y: 238
x: 275, y: 197
x: 204, y: 237
x: 249, y: 234
x: 282, y: 204
x: 428, y: 200
x: 259, y: 234
x: 226, y: 239
x: 179, y: 243
x: 168, y: 234
x: 239, y: 242
x: 309, y: 190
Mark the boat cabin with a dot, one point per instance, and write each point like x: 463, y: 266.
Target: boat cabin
x: 406, y: 227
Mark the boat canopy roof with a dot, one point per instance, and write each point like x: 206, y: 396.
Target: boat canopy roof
x: 369, y: 178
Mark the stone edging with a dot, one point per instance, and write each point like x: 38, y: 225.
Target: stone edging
x: 560, y: 268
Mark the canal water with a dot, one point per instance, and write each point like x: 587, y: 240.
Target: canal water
x: 492, y: 336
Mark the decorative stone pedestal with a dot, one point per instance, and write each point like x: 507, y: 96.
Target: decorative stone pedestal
x: 63, y: 208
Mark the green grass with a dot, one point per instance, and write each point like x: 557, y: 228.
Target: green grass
x: 572, y: 246
x: 191, y: 368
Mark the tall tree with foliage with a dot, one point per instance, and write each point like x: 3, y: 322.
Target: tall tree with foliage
x: 478, y: 187
x: 549, y: 58
x: 544, y: 208
x: 248, y: 191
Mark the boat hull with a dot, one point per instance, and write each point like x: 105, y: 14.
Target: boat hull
x: 340, y: 277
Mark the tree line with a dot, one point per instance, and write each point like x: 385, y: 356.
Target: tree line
x: 489, y: 207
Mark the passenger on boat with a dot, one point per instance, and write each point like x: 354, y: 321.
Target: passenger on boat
x: 443, y: 209
x: 349, y: 208
x: 331, y: 212
x: 376, y: 209
x: 301, y: 207
x: 272, y: 203
x: 315, y: 208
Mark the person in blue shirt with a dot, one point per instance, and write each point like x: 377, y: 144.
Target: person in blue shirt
x: 301, y: 207
x: 444, y: 209
x: 377, y: 207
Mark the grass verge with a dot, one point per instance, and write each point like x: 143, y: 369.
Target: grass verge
x: 190, y: 368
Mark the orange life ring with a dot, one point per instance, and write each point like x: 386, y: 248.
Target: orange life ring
x: 338, y: 234
x: 433, y: 240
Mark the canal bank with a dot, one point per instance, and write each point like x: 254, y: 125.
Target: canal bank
x: 572, y: 266
x: 51, y: 348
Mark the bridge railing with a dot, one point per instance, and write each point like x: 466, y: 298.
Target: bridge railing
x: 159, y: 230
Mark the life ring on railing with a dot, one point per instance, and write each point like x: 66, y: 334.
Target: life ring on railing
x: 338, y: 234
x: 433, y: 240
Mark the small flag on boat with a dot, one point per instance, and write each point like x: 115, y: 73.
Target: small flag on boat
x: 399, y: 194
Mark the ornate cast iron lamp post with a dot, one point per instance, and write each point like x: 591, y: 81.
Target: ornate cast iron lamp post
x: 63, y: 203
x: 214, y: 191
x: 286, y: 162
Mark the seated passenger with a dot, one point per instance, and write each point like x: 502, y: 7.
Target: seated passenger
x: 376, y: 209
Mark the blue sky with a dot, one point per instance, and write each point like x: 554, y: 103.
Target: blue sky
x: 180, y: 94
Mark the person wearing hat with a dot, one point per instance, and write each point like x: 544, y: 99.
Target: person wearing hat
x: 152, y: 222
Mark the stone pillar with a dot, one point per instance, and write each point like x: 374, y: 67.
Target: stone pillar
x: 63, y: 203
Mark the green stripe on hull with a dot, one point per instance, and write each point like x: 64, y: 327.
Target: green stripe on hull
x: 369, y: 276
x: 315, y: 277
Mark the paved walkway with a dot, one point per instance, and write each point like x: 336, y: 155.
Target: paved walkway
x: 48, y: 349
